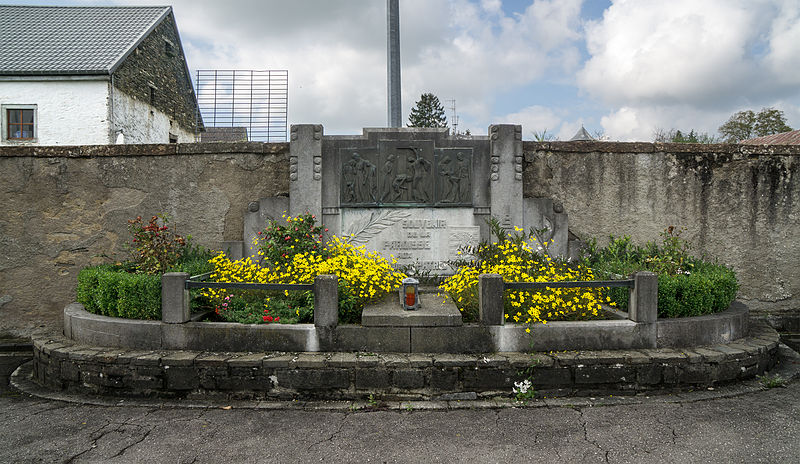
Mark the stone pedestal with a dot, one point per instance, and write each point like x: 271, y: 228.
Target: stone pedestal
x: 435, y: 311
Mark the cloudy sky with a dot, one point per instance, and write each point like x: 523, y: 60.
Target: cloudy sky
x: 623, y: 68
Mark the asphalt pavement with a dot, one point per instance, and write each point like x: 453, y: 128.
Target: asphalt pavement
x: 745, y: 422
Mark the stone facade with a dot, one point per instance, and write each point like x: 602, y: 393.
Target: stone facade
x: 155, y: 74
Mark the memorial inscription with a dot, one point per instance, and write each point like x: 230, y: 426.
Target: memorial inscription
x: 426, y: 238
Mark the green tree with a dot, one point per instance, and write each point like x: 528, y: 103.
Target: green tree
x: 748, y: 124
x: 427, y: 112
x: 676, y: 136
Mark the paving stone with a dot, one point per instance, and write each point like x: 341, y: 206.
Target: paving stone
x: 420, y: 360
x: 710, y: 355
x: 664, y: 355
x: 83, y: 354
x: 454, y: 360
x: 525, y: 360
x: 179, y: 358
x: 368, y: 360
x: 693, y: 357
x: 309, y: 361
x: 372, y: 379
x: 149, y: 359
x: 279, y: 361
x: 181, y: 378
x: 313, y: 379
x: 487, y: 379
x: 601, y: 357
x: 408, y: 378
x: 212, y: 359
x: 552, y: 376
x: 635, y: 357
x: 566, y: 358
x: 343, y: 360
x: 247, y: 360
x: 443, y: 378
x: 128, y: 356
x: 492, y: 360
x: 648, y: 374
x: 604, y: 374
x: 392, y: 360
x: 731, y: 353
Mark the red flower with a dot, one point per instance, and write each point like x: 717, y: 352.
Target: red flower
x: 277, y: 318
x: 326, y: 229
x: 268, y: 318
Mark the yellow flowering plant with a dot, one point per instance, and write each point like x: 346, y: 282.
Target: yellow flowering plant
x: 363, y: 276
x: 518, y: 257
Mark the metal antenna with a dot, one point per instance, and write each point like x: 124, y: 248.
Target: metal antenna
x: 454, y: 117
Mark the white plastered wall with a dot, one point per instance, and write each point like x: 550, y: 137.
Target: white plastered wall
x: 141, y: 123
x: 68, y: 112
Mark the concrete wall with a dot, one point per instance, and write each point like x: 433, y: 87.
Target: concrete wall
x: 64, y: 207
x: 739, y: 204
x: 68, y: 112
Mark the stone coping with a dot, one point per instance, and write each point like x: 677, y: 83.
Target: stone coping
x: 725, y: 327
x: 62, y: 364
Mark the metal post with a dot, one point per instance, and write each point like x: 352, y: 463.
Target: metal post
x: 393, y: 62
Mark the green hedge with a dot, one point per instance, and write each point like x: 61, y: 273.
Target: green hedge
x: 117, y: 291
x: 111, y: 292
x: 710, y: 288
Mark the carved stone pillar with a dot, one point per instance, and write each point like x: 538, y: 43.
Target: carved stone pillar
x: 505, y: 174
x: 305, y: 170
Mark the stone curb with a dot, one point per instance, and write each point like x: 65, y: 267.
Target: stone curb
x: 62, y: 365
x: 788, y: 368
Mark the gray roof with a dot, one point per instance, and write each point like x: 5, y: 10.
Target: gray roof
x: 224, y: 134
x: 39, y: 40
x: 581, y: 135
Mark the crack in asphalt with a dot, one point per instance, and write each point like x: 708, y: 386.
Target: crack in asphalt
x: 586, y: 434
x: 126, y: 448
x: 331, y: 437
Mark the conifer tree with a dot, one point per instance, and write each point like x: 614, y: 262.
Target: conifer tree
x: 427, y: 112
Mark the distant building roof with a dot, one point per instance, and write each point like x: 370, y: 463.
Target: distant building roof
x: 47, y: 40
x: 784, y: 138
x: 224, y: 134
x: 581, y: 135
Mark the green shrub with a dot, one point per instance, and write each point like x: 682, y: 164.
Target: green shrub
x: 687, y: 286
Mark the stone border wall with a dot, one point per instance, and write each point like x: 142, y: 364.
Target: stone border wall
x: 62, y: 364
x: 725, y: 327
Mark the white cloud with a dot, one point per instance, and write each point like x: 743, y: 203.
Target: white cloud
x: 689, y: 65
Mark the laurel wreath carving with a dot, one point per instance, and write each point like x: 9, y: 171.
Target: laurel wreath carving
x: 370, y: 225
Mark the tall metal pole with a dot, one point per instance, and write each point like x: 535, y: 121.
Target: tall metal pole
x: 393, y: 62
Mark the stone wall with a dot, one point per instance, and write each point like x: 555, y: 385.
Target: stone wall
x: 159, y: 62
x: 66, y: 207
x: 737, y: 203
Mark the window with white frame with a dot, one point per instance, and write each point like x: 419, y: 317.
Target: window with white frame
x: 19, y: 123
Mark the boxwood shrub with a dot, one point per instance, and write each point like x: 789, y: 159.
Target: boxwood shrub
x: 709, y: 289
x: 687, y: 286
x: 117, y: 291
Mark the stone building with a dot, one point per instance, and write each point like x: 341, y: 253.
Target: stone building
x: 93, y: 76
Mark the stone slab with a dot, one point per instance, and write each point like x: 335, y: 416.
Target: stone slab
x: 434, y: 311
x: 425, y: 238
